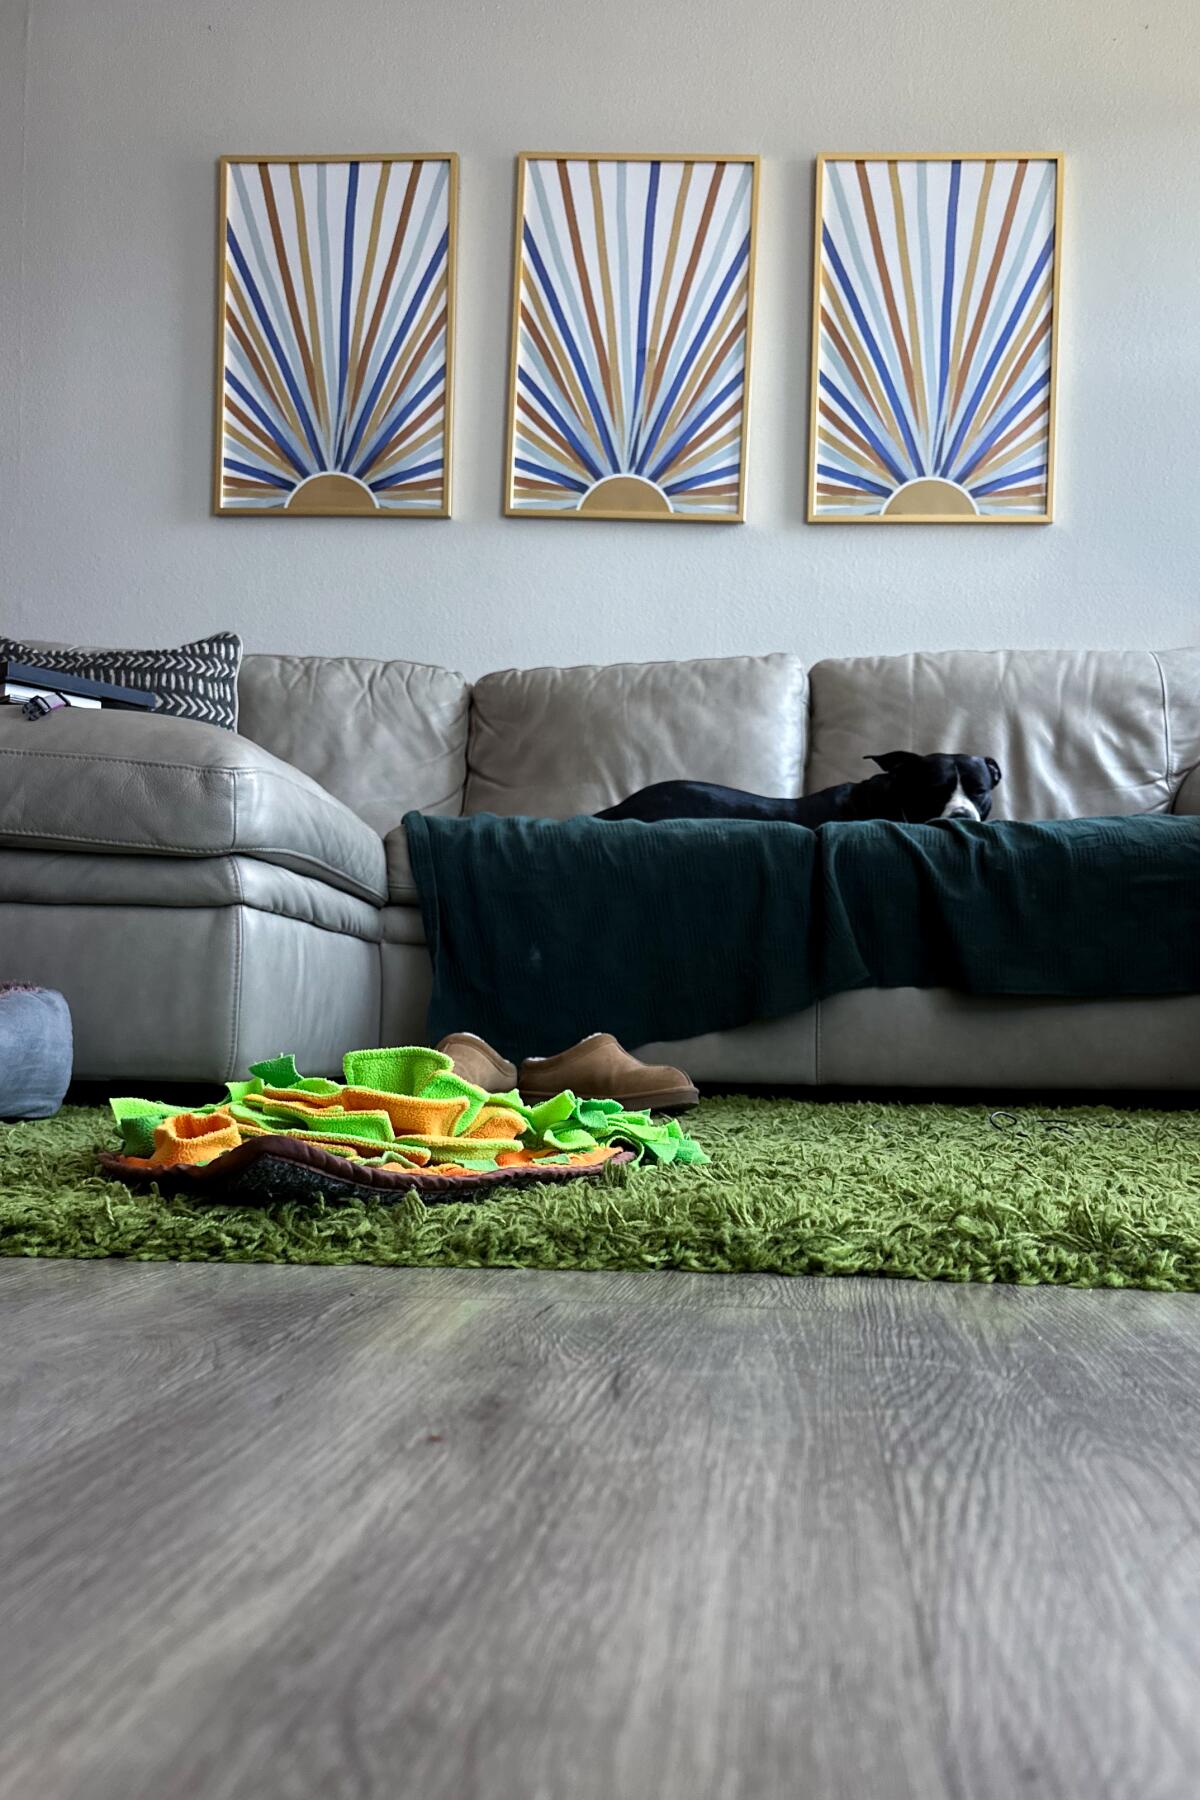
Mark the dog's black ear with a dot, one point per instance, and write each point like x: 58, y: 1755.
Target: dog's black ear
x: 892, y: 760
x: 993, y: 769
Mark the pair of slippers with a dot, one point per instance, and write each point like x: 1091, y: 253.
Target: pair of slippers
x: 596, y: 1068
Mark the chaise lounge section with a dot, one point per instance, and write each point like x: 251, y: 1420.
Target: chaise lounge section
x: 206, y: 899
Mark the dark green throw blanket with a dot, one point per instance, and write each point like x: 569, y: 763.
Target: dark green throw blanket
x: 542, y: 931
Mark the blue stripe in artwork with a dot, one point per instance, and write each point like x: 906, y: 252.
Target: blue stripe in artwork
x: 556, y: 418
x: 413, y: 258
x: 272, y: 336
x: 873, y: 349
x: 568, y: 337
x: 693, y: 351
x: 347, y: 278
x: 695, y: 481
x: 392, y: 425
x: 391, y: 481
x: 644, y: 294
x: 737, y: 211
x: 1014, y: 263
x: 692, y: 426
x: 264, y: 265
x: 998, y: 349
x: 1001, y: 426
x: 550, y: 475
x: 393, y: 350
x: 264, y: 418
x: 948, y: 287
x: 849, y: 480
x: 856, y: 419
x: 1004, y: 481
x: 526, y: 445
x: 241, y: 468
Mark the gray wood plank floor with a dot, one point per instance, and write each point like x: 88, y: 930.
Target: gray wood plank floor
x: 271, y: 1533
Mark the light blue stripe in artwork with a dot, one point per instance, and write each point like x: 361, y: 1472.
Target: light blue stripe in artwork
x: 736, y: 217
x: 424, y: 378
x: 412, y: 259
x: 868, y: 275
x: 972, y: 406
x: 567, y: 291
x: 860, y: 424
x: 398, y: 342
x: 560, y: 423
x: 1006, y: 481
x: 873, y: 352
x: 550, y: 458
x: 280, y: 319
x: 256, y: 301
x: 644, y: 292
x: 692, y: 425
x: 928, y: 341
x: 624, y: 312
x: 693, y: 351
x: 255, y: 474
x: 732, y: 366
x: 692, y: 481
x: 344, y: 305
x: 392, y: 481
x: 595, y: 407
x: 729, y: 453
x: 947, y: 303
x: 326, y: 272
x: 1011, y: 414
x: 1015, y: 262
x: 280, y: 438
x: 531, y: 468
x: 831, y: 358
x: 396, y: 420
x: 237, y: 360
x: 849, y: 480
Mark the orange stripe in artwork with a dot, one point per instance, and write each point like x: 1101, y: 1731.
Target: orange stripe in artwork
x: 710, y: 449
x: 285, y: 271
x: 261, y: 361
x: 259, y: 449
x: 848, y: 431
x: 550, y: 437
x: 696, y: 449
x: 310, y: 295
x: 726, y: 334
x: 685, y: 285
x: 269, y: 446
x: 610, y: 313
x: 364, y: 285
x: 871, y: 464
x: 559, y: 361
x: 989, y: 285
x: 250, y: 487
x: 668, y: 270
x: 407, y: 449
x: 585, y: 281
x: 910, y: 299
x: 852, y: 363
x: 1033, y: 425
x: 385, y: 285
x: 400, y: 374
x: 862, y: 361
x: 432, y: 486
x: 1013, y: 493
x: 968, y: 283
x: 840, y: 493
x: 419, y: 350
x: 1007, y: 376
x: 388, y: 453
x: 885, y: 282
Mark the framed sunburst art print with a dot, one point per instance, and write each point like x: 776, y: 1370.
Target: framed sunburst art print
x: 633, y: 287
x: 935, y: 338
x: 335, y: 336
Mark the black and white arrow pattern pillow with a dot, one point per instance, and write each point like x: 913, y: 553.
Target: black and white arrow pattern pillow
x: 196, y: 681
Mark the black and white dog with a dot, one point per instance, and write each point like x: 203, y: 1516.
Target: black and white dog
x: 912, y: 788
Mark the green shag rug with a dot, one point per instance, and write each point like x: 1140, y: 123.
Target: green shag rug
x: 1090, y: 1197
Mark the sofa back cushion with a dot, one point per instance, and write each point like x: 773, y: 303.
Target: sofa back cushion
x: 1079, y: 733
x: 554, y: 742
x: 384, y: 737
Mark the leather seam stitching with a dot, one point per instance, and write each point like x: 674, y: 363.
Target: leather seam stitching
x: 263, y: 851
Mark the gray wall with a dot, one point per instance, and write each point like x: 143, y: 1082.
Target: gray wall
x: 113, y: 111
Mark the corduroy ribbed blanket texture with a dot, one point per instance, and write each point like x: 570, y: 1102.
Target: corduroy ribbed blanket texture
x: 543, y: 930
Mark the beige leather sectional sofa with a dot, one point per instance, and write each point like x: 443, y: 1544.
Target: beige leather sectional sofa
x: 204, y: 900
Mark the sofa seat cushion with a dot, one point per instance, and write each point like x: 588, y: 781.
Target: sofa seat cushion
x: 72, y: 877
x: 152, y: 786
x: 550, y: 743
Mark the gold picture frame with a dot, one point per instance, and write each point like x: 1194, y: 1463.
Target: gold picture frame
x: 910, y: 368
x: 335, y: 335
x: 633, y: 402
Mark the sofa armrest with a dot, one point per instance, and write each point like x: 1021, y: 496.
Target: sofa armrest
x: 1187, y: 795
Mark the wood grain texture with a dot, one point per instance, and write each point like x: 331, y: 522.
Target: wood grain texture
x: 285, y: 1532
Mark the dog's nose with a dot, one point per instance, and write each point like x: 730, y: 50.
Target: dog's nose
x: 961, y: 812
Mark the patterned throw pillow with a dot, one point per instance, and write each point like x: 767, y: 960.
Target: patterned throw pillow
x: 197, y: 681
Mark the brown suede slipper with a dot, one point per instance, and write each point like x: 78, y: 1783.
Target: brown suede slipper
x: 477, y: 1062
x: 598, y: 1068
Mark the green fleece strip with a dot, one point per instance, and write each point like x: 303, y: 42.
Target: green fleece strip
x: 399, y: 1071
